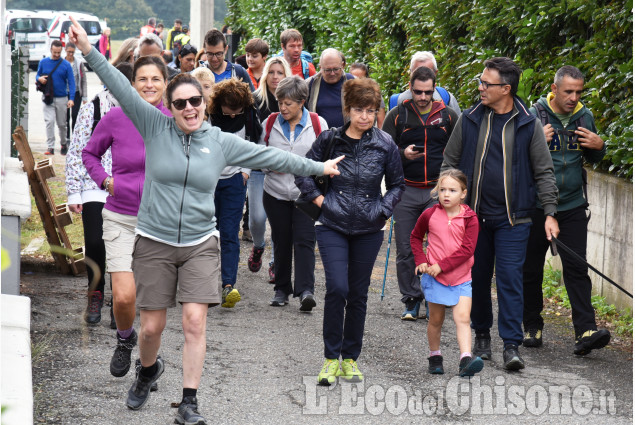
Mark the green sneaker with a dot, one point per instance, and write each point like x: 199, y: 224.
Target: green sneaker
x: 350, y: 372
x: 230, y: 297
x: 330, y: 370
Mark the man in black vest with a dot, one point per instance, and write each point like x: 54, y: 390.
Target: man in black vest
x: 421, y: 128
x: 502, y: 150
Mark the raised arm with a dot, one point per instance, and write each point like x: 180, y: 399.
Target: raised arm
x: 148, y: 119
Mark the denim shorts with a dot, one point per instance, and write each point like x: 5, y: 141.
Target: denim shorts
x: 438, y: 293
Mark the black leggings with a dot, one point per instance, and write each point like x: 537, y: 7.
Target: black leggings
x: 93, y: 240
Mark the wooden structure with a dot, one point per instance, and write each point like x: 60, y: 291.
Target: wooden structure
x: 54, y: 217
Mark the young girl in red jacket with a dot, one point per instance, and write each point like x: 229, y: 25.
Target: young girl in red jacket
x: 452, y: 229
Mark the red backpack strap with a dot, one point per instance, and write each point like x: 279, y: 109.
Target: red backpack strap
x: 271, y: 120
x: 315, y: 122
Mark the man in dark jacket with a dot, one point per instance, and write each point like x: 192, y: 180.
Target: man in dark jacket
x: 572, y: 137
x: 216, y: 49
x: 501, y: 148
x: 421, y: 128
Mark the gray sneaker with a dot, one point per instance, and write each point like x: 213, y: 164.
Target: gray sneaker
x: 188, y: 413
x: 139, y: 392
x: 279, y: 299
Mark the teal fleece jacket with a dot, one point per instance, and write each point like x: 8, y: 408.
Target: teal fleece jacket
x: 182, y: 170
x: 568, y: 155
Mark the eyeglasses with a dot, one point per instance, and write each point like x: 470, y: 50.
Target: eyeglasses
x: 420, y: 92
x: 233, y: 114
x: 487, y: 85
x: 219, y: 55
x: 361, y: 111
x: 332, y: 70
x: 180, y: 104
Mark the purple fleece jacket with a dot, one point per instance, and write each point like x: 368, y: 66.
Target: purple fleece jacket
x: 116, y: 131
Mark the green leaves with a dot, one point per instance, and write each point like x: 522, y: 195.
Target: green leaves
x: 541, y: 36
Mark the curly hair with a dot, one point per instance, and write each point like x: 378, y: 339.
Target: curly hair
x: 231, y: 92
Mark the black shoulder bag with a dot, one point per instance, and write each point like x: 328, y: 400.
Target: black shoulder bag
x: 322, y: 183
x: 48, y: 93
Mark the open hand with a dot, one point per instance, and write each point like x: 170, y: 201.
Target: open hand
x: 330, y: 166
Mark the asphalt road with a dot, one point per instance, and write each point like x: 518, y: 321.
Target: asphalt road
x: 262, y: 361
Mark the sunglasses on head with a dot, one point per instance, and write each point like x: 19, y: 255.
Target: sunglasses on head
x: 180, y: 104
x: 426, y: 92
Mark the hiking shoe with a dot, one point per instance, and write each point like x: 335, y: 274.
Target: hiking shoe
x: 188, y: 413
x: 230, y: 296
x: 329, y: 372
x: 113, y: 323
x: 512, y: 359
x: 591, y: 340
x: 64, y: 149
x: 92, y: 316
x: 483, y: 346
x: 120, y: 362
x: 272, y: 273
x: 533, y: 338
x: 255, y: 259
x: 412, y: 310
x: 307, y: 301
x: 468, y: 366
x: 435, y: 365
x: 247, y: 235
x: 139, y: 392
x: 279, y: 299
x: 137, y: 368
x: 349, y: 371
x: 50, y: 152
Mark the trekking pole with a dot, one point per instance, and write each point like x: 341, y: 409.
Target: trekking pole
x: 383, y: 286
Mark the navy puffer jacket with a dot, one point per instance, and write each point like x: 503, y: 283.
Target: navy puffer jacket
x: 353, y: 204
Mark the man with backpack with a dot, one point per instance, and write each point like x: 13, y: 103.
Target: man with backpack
x: 426, y: 59
x: 420, y: 127
x: 572, y: 138
x: 216, y: 49
x: 56, y: 100
x: 291, y: 42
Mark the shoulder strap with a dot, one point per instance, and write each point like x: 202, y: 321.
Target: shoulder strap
x: 393, y: 101
x: 542, y: 113
x: 96, y: 113
x: 326, y: 155
x: 445, y: 96
x: 402, y: 118
x: 315, y: 122
x: 270, y: 122
x: 59, y: 62
x: 305, y: 68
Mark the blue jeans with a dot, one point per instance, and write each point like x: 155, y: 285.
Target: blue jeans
x: 229, y: 200
x: 503, y: 245
x: 348, y: 264
x: 257, y: 214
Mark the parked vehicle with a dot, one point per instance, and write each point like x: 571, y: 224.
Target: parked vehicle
x: 28, y: 28
x: 58, y: 28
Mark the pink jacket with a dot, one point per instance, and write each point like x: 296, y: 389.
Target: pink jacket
x: 451, y: 243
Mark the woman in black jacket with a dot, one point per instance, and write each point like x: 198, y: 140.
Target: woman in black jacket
x: 349, y: 229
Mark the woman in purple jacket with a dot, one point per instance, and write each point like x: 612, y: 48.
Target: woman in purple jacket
x: 125, y: 186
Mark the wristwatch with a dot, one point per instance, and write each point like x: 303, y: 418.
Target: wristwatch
x: 106, y: 182
x: 550, y: 214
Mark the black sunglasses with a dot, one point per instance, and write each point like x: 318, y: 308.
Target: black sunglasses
x: 420, y: 92
x: 180, y: 104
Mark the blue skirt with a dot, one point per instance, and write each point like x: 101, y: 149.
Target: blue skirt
x: 438, y: 293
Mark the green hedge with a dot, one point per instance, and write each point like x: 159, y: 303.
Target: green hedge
x: 540, y: 35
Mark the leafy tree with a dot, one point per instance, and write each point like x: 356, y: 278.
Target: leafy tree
x: 540, y: 35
